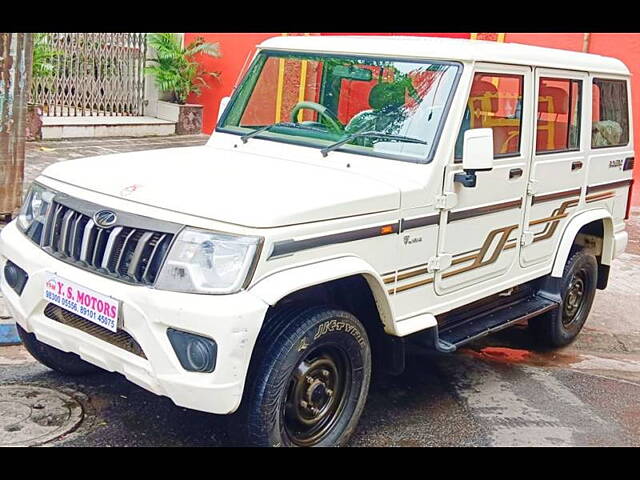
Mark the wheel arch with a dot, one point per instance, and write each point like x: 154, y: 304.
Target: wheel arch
x: 347, y: 283
x: 598, y: 221
x: 277, y: 286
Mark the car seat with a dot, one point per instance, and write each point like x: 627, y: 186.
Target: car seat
x: 552, y: 132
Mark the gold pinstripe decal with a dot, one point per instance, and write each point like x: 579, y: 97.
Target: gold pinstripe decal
x: 552, y: 222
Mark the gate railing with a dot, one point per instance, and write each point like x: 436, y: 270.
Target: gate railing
x: 92, y: 74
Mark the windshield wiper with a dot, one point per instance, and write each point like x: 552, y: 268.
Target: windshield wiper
x: 246, y: 137
x: 386, y: 136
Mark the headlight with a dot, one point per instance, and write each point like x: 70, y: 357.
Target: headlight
x: 207, y: 262
x: 34, y: 211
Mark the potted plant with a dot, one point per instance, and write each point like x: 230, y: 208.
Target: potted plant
x: 42, y: 69
x: 177, y: 73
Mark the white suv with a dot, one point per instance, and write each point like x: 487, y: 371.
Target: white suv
x: 357, y: 194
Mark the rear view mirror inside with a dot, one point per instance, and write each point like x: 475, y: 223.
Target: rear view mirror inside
x: 353, y: 73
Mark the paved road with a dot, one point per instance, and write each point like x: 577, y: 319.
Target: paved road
x: 496, y: 392
x: 481, y: 397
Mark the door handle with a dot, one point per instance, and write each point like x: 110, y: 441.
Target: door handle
x: 515, y: 173
x: 576, y: 166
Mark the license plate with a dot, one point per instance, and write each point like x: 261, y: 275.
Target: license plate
x: 89, y: 304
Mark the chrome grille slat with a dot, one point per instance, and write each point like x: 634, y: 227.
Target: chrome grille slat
x: 107, y: 250
x: 64, y: 233
x: 124, y: 252
x: 74, y: 235
x: 145, y: 276
x: 137, y: 255
x: 46, y: 233
x: 54, y: 223
x: 86, y: 235
x: 99, y: 236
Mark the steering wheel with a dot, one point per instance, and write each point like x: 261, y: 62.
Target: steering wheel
x: 323, y: 111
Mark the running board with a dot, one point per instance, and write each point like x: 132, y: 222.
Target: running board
x: 466, y: 330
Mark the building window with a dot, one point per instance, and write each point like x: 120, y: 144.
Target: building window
x: 610, y: 113
x: 495, y: 102
x: 559, y: 104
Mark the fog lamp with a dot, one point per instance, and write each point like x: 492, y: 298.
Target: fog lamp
x: 16, y: 277
x: 195, y: 353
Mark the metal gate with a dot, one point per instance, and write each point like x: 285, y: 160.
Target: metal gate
x: 92, y: 74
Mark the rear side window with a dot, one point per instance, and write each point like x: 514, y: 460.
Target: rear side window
x: 495, y: 102
x: 610, y: 113
x: 558, y: 123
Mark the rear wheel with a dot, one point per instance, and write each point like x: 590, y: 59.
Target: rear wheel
x: 309, y: 380
x: 577, y: 290
x: 63, y: 362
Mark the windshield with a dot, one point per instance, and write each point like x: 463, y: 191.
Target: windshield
x: 332, y: 98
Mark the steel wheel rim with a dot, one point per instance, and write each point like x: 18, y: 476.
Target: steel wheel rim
x: 317, y: 393
x: 574, y: 298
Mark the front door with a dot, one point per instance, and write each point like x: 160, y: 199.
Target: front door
x: 482, y: 230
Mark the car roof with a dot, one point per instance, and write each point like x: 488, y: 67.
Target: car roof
x: 449, y: 49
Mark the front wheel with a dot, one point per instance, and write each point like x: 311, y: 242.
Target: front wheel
x: 309, y: 380
x: 578, y: 289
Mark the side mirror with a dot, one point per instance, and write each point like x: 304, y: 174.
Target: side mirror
x: 477, y: 155
x: 223, y: 106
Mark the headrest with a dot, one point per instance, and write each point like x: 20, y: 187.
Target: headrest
x: 386, y: 95
x: 482, y: 87
x: 559, y: 97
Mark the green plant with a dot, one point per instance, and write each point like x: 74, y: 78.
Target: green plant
x: 44, y: 56
x: 175, y: 69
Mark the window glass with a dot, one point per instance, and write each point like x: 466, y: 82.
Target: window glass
x: 610, y: 115
x: 495, y: 102
x: 379, y: 106
x: 559, y: 104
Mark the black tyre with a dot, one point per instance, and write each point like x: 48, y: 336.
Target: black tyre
x: 308, y: 380
x: 63, y: 362
x: 577, y: 290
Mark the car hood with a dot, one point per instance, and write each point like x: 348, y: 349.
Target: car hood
x: 229, y: 186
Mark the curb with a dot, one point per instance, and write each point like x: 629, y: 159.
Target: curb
x: 9, y: 334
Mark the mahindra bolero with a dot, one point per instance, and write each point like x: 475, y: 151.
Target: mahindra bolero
x: 358, y: 195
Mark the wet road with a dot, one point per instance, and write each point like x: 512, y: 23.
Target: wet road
x: 485, y: 395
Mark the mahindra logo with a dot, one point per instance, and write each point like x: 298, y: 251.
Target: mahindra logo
x: 105, y: 218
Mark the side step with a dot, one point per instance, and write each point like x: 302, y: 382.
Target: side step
x: 464, y: 331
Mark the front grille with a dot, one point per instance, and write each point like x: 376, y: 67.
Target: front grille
x: 120, y: 339
x: 132, y: 250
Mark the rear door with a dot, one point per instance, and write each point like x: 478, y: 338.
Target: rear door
x: 559, y: 166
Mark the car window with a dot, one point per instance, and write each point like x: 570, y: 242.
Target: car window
x: 610, y: 113
x: 558, y: 121
x: 336, y: 97
x: 495, y: 102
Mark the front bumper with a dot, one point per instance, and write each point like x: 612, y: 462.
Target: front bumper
x: 233, y: 321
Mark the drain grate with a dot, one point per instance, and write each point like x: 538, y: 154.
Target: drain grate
x: 31, y: 415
